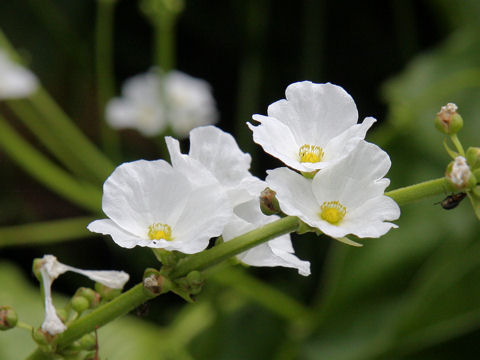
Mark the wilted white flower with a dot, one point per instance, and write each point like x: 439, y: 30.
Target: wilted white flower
x: 215, y: 152
x: 345, y: 198
x: 314, y: 127
x: 51, y: 268
x: 149, y: 203
x: 152, y: 102
x: 15, y: 80
x: 460, y: 173
x: 276, y: 252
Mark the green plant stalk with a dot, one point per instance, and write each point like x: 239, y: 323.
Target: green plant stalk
x: 417, y: 192
x: 46, y: 172
x: 94, y: 160
x: 45, y: 232
x: 457, y: 144
x: 203, y: 260
x: 24, y: 111
x: 119, y: 306
x: 104, y: 72
x: 164, y: 38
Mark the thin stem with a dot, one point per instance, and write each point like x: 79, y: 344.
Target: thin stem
x: 98, y: 164
x: 45, y: 171
x: 45, y: 232
x: 104, y: 71
x: 457, y: 144
x: 164, y: 38
x: 217, y: 254
x: 25, y: 326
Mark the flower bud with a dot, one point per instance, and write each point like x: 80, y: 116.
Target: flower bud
x: 473, y: 157
x: 448, y: 121
x: 42, y: 337
x: 8, y: 318
x: 195, y: 281
x: 458, y: 174
x: 268, y: 202
x: 91, y: 295
x: 79, y: 303
x: 88, y: 342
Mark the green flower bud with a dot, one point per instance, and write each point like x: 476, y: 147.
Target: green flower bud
x: 88, y: 342
x: 473, y: 157
x: 195, y: 281
x: 8, y: 318
x: 448, y: 121
x: 268, y: 202
x: 42, y: 337
x: 37, y: 264
x: 79, y: 303
x: 459, y: 176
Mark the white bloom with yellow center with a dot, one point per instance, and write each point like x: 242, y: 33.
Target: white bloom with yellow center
x: 276, y: 252
x: 15, y: 80
x: 314, y: 127
x: 149, y: 203
x: 152, y: 102
x: 345, y: 198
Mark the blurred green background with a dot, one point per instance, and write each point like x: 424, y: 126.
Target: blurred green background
x: 412, y: 294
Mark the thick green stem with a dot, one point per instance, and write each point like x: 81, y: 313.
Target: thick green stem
x: 45, y: 171
x: 412, y: 193
x: 217, y: 254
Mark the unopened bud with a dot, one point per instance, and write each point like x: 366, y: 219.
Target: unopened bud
x: 42, y: 337
x: 448, y: 121
x: 79, y: 303
x: 458, y: 174
x: 91, y: 295
x: 8, y: 318
x: 268, y: 202
x: 473, y: 157
x: 88, y: 342
x: 195, y: 281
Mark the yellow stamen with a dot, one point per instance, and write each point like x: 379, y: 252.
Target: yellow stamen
x: 332, y: 211
x: 159, y: 231
x: 310, y: 153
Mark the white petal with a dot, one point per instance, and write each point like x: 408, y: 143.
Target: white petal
x: 204, y: 216
x: 15, y: 80
x: 294, y: 193
x: 277, y: 139
x: 219, y: 152
x: 121, y: 237
x: 52, y: 323
x: 315, y: 113
x: 112, y: 279
x: 141, y: 193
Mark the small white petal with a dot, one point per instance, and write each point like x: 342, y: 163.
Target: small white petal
x: 111, y: 278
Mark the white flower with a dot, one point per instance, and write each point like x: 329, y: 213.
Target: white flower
x: 276, y: 252
x: 51, y: 268
x: 151, y: 204
x: 15, y: 80
x: 460, y: 172
x: 346, y: 198
x: 139, y: 107
x: 215, y: 152
x: 315, y: 126
x: 152, y: 102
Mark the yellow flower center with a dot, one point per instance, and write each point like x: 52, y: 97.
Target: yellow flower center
x: 159, y: 231
x: 310, y: 153
x: 332, y: 211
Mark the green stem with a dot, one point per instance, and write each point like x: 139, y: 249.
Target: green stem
x: 412, y: 193
x: 24, y: 111
x: 457, y: 144
x: 104, y: 71
x: 98, y: 164
x: 164, y: 38
x: 119, y: 306
x: 45, y: 232
x: 217, y: 254
x: 40, y: 355
x: 24, y: 326
x: 45, y: 171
